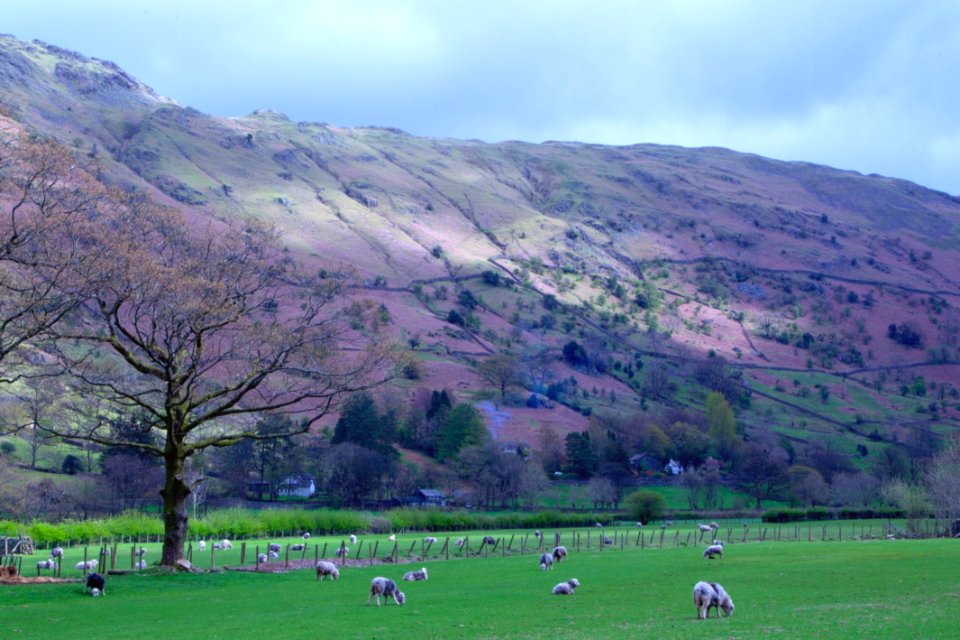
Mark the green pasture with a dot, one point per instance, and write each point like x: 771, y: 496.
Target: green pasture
x: 876, y: 589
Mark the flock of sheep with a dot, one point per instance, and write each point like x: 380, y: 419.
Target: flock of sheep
x: 706, y: 595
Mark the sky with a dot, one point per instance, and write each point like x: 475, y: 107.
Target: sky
x: 867, y: 85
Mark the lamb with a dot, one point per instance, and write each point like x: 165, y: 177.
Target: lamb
x: 273, y: 546
x: 353, y: 539
x: 56, y: 552
x: 202, y: 545
x: 297, y: 547
x: 89, y: 565
x: 95, y: 582
x: 713, y: 550
x: 413, y: 576
x: 429, y: 540
x: 566, y: 588
x: 707, y: 595
x: 559, y: 553
x: 340, y: 552
x: 261, y: 558
x: 387, y: 588
x: 546, y: 561
x: 325, y: 568
x: 47, y: 564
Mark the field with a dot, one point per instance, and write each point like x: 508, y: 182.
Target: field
x: 874, y: 588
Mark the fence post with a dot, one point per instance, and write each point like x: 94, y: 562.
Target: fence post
x: 256, y: 550
x: 373, y: 552
x: 213, y: 557
x: 243, y: 552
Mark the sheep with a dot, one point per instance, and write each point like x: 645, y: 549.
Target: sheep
x: 546, y: 561
x: 273, y: 554
x: 640, y: 525
x: 274, y: 546
x: 226, y: 544
x: 414, y: 576
x: 598, y: 525
x: 705, y: 527
x: 713, y: 550
x: 261, y: 558
x: 707, y: 595
x: 353, y: 539
x: 306, y: 535
x: 566, y: 588
x: 325, y: 568
x: 56, y: 552
x: 95, y: 582
x: 559, y: 553
x: 607, y: 540
x: 489, y: 540
x: 140, y: 564
x: 387, y: 588
x: 141, y: 552
x: 714, y: 526
x: 89, y: 565
x: 202, y: 545
x: 458, y: 542
x: 297, y: 547
x: 341, y: 552
x: 47, y: 564
x: 218, y: 546
x: 392, y: 537
x: 429, y: 540
x: 537, y: 534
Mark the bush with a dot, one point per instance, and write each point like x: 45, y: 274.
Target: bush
x: 72, y: 465
x: 644, y: 505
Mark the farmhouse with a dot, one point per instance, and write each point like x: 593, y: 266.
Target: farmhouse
x: 302, y: 485
x: 428, y: 498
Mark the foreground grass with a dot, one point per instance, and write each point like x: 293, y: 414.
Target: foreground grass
x: 876, y: 589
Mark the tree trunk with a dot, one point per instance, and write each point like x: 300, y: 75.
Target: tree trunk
x: 175, y: 516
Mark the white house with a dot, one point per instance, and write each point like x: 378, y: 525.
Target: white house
x: 302, y: 485
x: 673, y: 468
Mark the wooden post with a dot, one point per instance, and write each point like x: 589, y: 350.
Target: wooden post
x: 676, y: 539
x: 639, y: 533
x: 840, y: 529
x: 243, y: 552
x: 396, y: 552
x: 303, y: 552
x: 661, y: 537
x: 410, y: 550
x: 523, y: 544
x: 688, y: 539
x: 316, y: 553
x: 324, y: 554
x: 824, y: 533
x: 257, y: 556
x: 85, y: 560
x: 510, y: 545
x: 373, y: 552
x: 213, y: 557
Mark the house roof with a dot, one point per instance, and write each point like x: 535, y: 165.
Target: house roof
x: 431, y: 493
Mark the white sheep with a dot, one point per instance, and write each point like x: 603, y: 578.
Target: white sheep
x: 140, y: 564
x: 413, y: 576
x: 707, y: 595
x: 546, y: 561
x: 559, y: 553
x: 141, y: 552
x: 202, y: 545
x: 713, y: 550
x: 56, y: 552
x: 273, y: 554
x: 226, y: 544
x: 392, y: 537
x: 297, y: 547
x: 537, y: 534
x: 566, y: 588
x: 325, y: 568
x: 218, y: 546
x: 458, y: 542
x: 306, y: 535
x: 341, y: 552
x: 353, y: 539
x: 387, y: 588
x: 429, y: 540
x: 274, y: 546
x: 47, y: 564
x: 714, y: 526
x: 261, y: 558
x: 89, y: 565
x: 705, y: 527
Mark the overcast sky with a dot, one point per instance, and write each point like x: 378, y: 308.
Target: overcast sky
x: 868, y: 85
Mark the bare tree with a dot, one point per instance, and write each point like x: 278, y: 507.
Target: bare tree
x: 204, y: 331
x: 943, y: 481
x: 500, y: 371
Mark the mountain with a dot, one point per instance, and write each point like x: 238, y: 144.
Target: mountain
x: 822, y: 303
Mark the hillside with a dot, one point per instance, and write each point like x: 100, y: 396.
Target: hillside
x: 678, y: 270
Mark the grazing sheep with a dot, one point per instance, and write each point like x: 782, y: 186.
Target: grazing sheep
x: 458, y: 542
x: 640, y: 524
x: 429, y: 540
x: 714, y: 526
x: 56, y: 552
x: 598, y: 525
x: 202, y: 545
x: 559, y: 553
x: 297, y: 547
x: 340, y: 552
x: 273, y: 554
x: 141, y: 552
x: 546, y: 561
x: 261, y: 558
x: 607, y: 540
x: 47, y: 564
x: 89, y: 565
x: 392, y: 537
x: 566, y: 588
x: 226, y: 544
x: 387, y: 588
x: 413, y: 576
x: 218, y: 546
x: 325, y: 568
x: 140, y: 564
x: 707, y: 595
x: 353, y: 539
x: 96, y: 582
x: 306, y: 535
x: 713, y: 550
x: 537, y: 534
x: 489, y: 540
x: 274, y: 546
x: 705, y: 527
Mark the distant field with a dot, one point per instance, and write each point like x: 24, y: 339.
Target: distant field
x: 876, y: 589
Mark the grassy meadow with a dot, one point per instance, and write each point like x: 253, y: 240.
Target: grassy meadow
x: 873, y: 588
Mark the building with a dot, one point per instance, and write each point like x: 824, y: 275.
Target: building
x: 428, y: 498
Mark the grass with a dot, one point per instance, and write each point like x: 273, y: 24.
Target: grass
x: 876, y: 589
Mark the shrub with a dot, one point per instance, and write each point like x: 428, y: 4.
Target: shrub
x: 644, y: 505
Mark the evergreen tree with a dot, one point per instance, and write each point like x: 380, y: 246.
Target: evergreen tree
x: 461, y: 426
x: 724, y: 440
